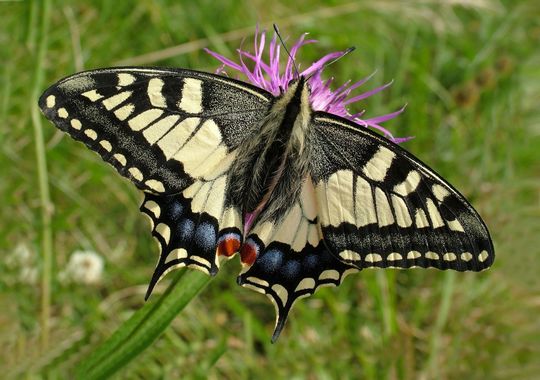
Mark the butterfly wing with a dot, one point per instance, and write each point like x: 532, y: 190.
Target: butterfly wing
x: 174, y: 134
x: 286, y: 258
x: 382, y: 207
x: 160, y: 128
x: 194, y: 228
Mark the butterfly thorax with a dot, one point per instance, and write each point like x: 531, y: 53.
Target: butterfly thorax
x: 270, y: 167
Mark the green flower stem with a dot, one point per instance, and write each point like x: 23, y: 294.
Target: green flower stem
x: 442, y: 318
x: 43, y: 178
x: 386, y: 284
x: 143, y: 328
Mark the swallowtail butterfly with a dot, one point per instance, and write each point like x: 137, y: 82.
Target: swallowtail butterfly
x: 328, y: 197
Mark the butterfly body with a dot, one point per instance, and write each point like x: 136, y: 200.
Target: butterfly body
x: 305, y: 197
x: 271, y: 166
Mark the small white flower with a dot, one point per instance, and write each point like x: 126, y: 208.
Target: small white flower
x: 85, y: 267
x: 21, y: 256
x: 28, y: 275
x: 22, y: 253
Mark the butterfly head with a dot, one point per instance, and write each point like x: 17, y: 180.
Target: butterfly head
x: 299, y: 86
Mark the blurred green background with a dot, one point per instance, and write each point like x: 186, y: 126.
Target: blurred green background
x: 469, y: 71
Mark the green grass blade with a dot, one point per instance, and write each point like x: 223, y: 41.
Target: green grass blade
x: 143, y: 328
x: 442, y: 318
x: 123, y: 333
x: 41, y: 25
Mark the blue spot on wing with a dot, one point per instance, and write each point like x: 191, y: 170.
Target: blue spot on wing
x: 205, y: 236
x: 185, y: 230
x: 292, y: 269
x: 311, y: 261
x: 176, y: 210
x: 271, y: 260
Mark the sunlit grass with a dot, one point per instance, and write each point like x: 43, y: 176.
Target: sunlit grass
x: 469, y: 76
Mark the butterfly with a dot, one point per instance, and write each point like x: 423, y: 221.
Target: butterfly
x: 304, y: 197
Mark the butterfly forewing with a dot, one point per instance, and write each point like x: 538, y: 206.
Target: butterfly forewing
x: 161, y: 128
x: 380, y: 206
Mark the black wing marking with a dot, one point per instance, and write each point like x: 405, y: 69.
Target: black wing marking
x: 382, y: 207
x: 287, y: 260
x: 161, y: 128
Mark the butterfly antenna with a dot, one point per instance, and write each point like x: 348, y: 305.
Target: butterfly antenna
x: 296, y: 72
x: 347, y: 51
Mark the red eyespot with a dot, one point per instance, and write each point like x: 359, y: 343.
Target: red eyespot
x: 248, y: 253
x: 228, y: 246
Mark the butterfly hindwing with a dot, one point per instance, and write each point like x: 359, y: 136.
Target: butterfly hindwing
x: 195, y: 228
x: 382, y: 207
x: 161, y: 128
x: 286, y: 258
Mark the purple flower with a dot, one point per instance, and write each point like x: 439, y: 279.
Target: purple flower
x: 269, y: 76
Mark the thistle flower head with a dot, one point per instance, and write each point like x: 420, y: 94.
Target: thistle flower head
x: 265, y: 71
